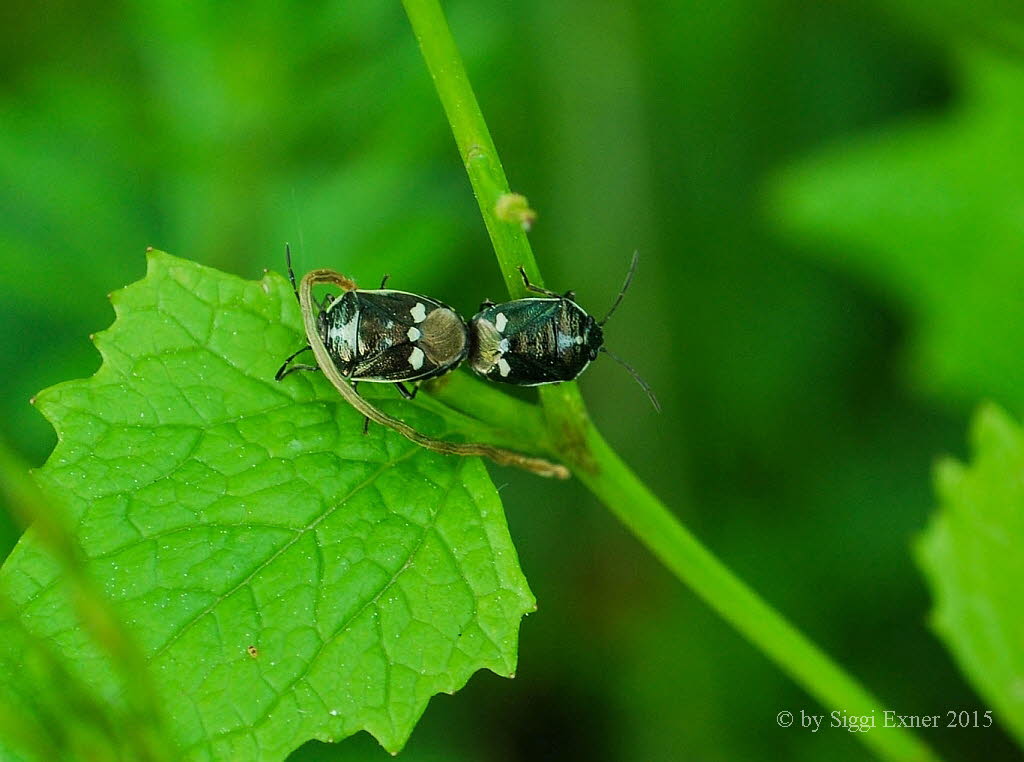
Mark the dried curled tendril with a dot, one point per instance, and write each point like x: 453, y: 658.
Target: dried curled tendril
x: 497, y: 454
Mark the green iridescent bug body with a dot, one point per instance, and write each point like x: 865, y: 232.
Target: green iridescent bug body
x: 529, y: 342
x: 540, y: 340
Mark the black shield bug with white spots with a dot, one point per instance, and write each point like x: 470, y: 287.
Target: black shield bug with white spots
x: 541, y: 340
x: 386, y: 336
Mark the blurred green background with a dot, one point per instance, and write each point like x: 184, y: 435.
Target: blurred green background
x: 828, y: 199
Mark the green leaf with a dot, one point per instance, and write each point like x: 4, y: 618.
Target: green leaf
x: 286, y: 577
x: 931, y: 212
x: 49, y: 711
x: 971, y: 556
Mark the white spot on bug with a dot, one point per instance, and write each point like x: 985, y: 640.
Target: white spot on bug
x: 416, y: 358
x: 503, y: 346
x: 419, y: 312
x: 500, y: 322
x: 565, y: 341
x: 503, y: 367
x: 414, y: 333
x: 345, y: 336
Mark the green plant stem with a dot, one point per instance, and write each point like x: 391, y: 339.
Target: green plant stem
x: 574, y: 439
x: 473, y: 139
x: 655, y: 526
x: 478, y: 409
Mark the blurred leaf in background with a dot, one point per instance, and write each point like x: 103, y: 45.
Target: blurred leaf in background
x: 971, y: 555
x: 933, y: 212
x: 49, y: 707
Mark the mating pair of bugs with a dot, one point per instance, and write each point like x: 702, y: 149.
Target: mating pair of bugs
x: 388, y: 336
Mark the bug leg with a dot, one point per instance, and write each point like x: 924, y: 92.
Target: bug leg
x: 536, y: 289
x: 295, y: 368
x: 366, y: 421
x: 284, y: 370
x: 405, y: 392
x: 384, y: 279
x: 485, y: 304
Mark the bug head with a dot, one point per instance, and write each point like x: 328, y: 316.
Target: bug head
x: 593, y: 337
x: 323, y: 317
x: 321, y: 323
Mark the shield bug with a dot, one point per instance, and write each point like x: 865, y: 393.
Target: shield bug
x: 385, y: 336
x: 541, y: 340
x: 326, y: 363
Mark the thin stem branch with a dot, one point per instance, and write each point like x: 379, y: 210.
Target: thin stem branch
x: 476, y: 148
x: 576, y: 442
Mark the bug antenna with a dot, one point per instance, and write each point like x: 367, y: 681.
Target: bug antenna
x: 622, y: 291
x: 291, y: 272
x: 302, y: 241
x: 298, y: 220
x: 636, y: 376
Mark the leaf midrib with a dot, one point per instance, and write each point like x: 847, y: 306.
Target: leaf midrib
x: 281, y: 693
x: 265, y: 563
